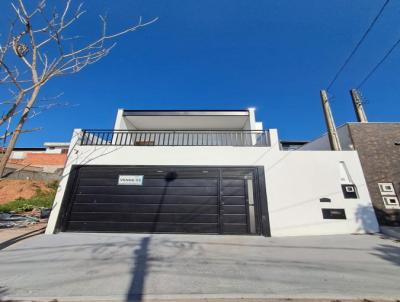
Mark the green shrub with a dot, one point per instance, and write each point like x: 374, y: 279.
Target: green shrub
x: 42, y: 199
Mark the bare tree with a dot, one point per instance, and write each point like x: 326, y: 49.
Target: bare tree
x: 40, y: 46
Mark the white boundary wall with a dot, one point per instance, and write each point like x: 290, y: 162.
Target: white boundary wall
x: 295, y: 181
x: 322, y: 143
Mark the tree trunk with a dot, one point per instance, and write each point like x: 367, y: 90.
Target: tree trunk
x: 17, y: 130
x: 13, y: 108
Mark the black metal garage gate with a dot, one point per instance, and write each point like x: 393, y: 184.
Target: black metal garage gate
x: 164, y: 199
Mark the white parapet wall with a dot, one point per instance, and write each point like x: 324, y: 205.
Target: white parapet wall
x: 295, y: 181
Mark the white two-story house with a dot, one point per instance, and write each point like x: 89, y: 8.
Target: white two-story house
x: 206, y: 171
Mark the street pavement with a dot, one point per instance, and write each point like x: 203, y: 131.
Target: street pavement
x: 87, y: 266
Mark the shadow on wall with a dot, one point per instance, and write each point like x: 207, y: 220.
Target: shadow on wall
x: 365, y: 216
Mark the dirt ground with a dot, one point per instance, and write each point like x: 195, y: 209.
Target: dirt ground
x: 11, y: 189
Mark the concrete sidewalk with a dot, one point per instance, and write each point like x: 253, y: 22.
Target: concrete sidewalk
x: 11, y: 236
x: 123, y: 267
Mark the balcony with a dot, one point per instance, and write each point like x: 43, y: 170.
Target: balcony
x: 254, y: 138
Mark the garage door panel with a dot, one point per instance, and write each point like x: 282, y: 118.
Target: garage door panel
x: 152, y: 182
x: 121, y: 190
x: 235, y: 229
x: 234, y: 191
x: 144, y: 208
x: 147, y: 199
x: 232, y: 182
x: 235, y: 218
x: 234, y: 209
x: 158, y: 173
x: 234, y: 200
x: 143, y: 227
x: 170, y: 199
x: 149, y: 218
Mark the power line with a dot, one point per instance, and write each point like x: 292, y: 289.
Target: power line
x: 358, y: 44
x: 379, y: 63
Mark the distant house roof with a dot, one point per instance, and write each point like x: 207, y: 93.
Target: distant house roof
x: 2, y: 150
x: 56, y: 144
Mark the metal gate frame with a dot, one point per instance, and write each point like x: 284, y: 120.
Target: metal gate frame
x: 260, y: 196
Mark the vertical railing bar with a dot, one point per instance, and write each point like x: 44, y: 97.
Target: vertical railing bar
x: 83, y: 137
x: 134, y: 136
x: 126, y: 137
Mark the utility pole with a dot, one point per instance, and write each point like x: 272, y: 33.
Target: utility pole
x: 358, y: 106
x: 330, y: 123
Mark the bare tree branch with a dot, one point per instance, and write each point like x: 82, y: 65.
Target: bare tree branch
x: 37, y: 47
x: 22, y: 131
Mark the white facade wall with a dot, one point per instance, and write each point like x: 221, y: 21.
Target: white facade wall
x: 322, y: 143
x: 121, y: 123
x: 295, y: 181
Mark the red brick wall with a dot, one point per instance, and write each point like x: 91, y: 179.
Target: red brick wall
x: 42, y: 159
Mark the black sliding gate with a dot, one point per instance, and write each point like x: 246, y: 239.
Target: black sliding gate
x: 165, y: 199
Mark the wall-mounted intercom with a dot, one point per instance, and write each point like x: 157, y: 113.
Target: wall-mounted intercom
x: 349, y: 191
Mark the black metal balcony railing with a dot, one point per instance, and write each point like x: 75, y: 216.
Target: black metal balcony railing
x: 174, y: 138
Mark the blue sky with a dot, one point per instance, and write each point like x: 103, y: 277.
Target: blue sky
x: 231, y: 54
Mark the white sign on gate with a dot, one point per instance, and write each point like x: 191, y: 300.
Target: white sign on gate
x: 130, y: 180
